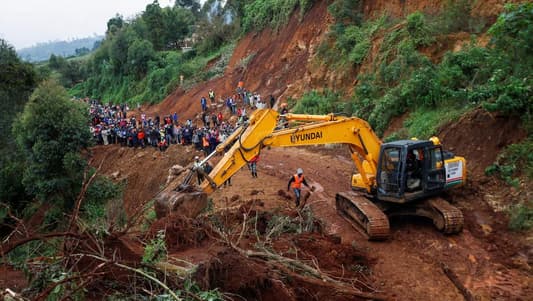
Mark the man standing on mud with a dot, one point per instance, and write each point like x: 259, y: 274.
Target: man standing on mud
x: 295, y: 182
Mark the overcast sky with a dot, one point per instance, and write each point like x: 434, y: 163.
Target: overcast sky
x: 24, y: 23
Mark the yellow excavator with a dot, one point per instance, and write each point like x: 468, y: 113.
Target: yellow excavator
x: 402, y: 177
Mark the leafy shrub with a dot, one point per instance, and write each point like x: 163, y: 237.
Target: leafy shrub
x: 418, y: 29
x: 346, y: 12
x: 514, y: 97
x: 515, y: 160
x: 102, y: 207
x: 156, y: 249
x: 521, y: 217
x: 319, y: 103
x: 274, y: 13
x: 50, y: 133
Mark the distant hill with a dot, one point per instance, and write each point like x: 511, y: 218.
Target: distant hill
x: 42, y: 51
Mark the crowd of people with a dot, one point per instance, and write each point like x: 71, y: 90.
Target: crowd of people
x: 116, y: 124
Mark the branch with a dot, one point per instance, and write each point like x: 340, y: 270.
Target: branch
x: 455, y: 280
x: 140, y: 272
x: 44, y: 295
x: 5, y: 248
x: 81, y: 195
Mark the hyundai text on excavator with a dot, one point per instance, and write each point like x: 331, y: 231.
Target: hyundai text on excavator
x: 397, y: 178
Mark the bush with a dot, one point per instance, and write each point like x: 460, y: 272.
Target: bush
x: 516, y: 160
x: 423, y: 123
x: 457, y: 16
x: 51, y: 133
x: 418, y: 29
x: 274, y: 13
x: 521, y: 217
x: 319, y: 103
x: 103, y: 207
x: 156, y: 250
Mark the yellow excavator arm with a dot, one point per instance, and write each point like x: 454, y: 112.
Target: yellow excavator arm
x: 261, y: 132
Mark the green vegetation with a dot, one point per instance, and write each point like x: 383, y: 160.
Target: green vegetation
x: 424, y: 123
x: 17, y: 81
x: 515, y: 161
x: 50, y: 133
x: 273, y: 13
x: 140, y: 60
x: 521, y: 216
x: 402, y: 79
x: 315, y: 102
x: 352, y: 40
x: 156, y: 249
x: 102, y: 209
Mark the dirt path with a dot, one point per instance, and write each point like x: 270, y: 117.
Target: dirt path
x: 491, y: 262
x: 409, y: 265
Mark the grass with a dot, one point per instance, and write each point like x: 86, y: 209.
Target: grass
x: 424, y: 122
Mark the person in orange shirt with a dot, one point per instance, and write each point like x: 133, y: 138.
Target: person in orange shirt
x: 295, y: 182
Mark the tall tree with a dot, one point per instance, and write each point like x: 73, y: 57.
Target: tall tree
x: 17, y: 80
x: 140, y: 54
x: 154, y: 19
x: 191, y: 5
x: 178, y: 23
x: 114, y: 24
x: 51, y: 133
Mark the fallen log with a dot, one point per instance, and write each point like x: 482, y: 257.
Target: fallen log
x: 458, y: 284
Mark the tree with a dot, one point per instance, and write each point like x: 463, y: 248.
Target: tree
x: 51, y: 133
x: 118, y: 52
x: 114, y: 24
x: 512, y: 34
x: 17, y: 80
x: 192, y: 5
x: 154, y: 19
x: 178, y: 23
x: 140, y: 53
x: 82, y: 51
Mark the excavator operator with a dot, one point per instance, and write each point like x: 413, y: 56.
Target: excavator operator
x: 413, y: 171
x: 295, y: 182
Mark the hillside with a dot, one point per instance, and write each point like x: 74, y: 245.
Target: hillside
x: 288, y: 63
x: 488, y: 259
x: 456, y: 69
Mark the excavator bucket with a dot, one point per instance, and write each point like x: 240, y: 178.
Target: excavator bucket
x: 185, y: 200
x: 188, y: 203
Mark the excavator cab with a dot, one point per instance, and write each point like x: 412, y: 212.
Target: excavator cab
x: 409, y: 170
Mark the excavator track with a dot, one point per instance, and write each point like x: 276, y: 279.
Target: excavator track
x: 446, y: 217
x: 363, y: 215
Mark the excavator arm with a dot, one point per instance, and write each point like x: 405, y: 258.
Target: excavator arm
x: 261, y: 132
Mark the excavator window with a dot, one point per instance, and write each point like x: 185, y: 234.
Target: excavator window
x: 390, y: 175
x: 414, y: 169
x: 436, y: 174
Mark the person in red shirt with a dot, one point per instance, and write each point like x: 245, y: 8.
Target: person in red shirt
x: 253, y: 165
x: 140, y: 138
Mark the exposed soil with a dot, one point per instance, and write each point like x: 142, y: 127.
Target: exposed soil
x: 279, y: 59
x: 492, y: 262
x: 489, y: 260
x: 480, y: 136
